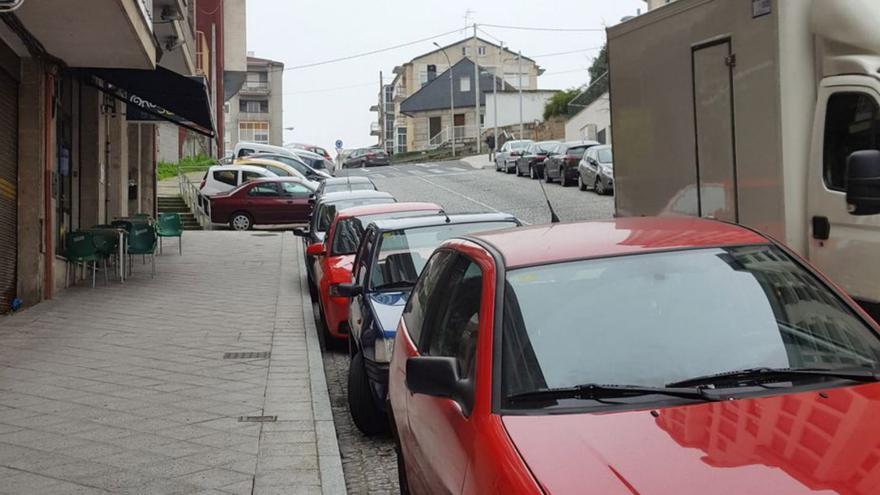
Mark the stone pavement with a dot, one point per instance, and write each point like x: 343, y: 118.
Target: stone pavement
x: 131, y: 388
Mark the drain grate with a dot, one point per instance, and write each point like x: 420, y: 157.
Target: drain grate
x: 257, y: 419
x: 246, y: 355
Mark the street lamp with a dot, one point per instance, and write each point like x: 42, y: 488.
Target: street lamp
x: 451, y: 99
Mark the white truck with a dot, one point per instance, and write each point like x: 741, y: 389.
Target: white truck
x: 749, y: 111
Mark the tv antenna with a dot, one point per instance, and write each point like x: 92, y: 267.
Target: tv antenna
x: 553, y: 217
x: 468, y: 15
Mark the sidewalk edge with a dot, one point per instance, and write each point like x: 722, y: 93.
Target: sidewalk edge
x: 329, y: 458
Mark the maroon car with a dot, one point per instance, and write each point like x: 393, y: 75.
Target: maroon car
x: 270, y: 201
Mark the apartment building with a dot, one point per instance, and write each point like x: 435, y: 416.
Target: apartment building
x: 383, y: 128
x: 653, y: 4
x: 255, y: 113
x: 81, y: 92
x: 412, y: 130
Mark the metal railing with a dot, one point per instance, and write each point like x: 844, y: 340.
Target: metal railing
x: 461, y: 133
x: 198, y: 204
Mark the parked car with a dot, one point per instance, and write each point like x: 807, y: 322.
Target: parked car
x: 311, y: 147
x: 562, y: 164
x: 316, y: 161
x: 277, y: 167
x: 294, y: 162
x: 531, y: 162
x: 247, y: 148
x: 366, y: 157
x: 341, y: 184
x: 389, y: 260
x: 334, y: 260
x: 572, y: 359
x: 222, y: 178
x: 272, y: 201
x: 505, y: 158
x: 596, y: 170
x: 324, y: 210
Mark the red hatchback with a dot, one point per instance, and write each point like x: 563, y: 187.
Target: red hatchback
x: 336, y: 256
x: 271, y: 201
x: 633, y: 356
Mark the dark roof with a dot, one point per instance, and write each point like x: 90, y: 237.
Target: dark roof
x: 415, y: 222
x: 435, y: 94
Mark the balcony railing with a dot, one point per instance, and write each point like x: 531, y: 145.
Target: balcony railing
x: 255, y: 87
x: 253, y: 116
x: 375, y: 129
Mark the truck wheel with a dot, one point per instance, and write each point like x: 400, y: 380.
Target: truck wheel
x: 364, y: 411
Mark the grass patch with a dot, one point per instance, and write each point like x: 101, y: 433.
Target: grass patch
x: 200, y: 163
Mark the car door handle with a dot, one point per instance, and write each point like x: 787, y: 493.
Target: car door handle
x: 821, y: 228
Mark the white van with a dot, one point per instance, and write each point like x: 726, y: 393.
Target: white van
x: 246, y: 148
x: 750, y: 112
x: 222, y: 178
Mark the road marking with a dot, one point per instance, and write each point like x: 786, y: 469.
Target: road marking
x: 458, y: 169
x: 465, y: 196
x: 435, y: 171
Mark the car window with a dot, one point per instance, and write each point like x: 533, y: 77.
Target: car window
x: 605, y: 155
x: 296, y: 190
x: 362, y: 259
x: 247, y: 175
x: 347, y: 236
x: 852, y: 123
x: 453, y: 318
x: 427, y: 286
x: 267, y: 189
x: 245, y: 152
x: 225, y: 176
x: 758, y: 308
x: 577, y: 151
x: 280, y: 172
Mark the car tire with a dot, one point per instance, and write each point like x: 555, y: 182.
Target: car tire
x: 599, y: 187
x: 581, y: 184
x: 331, y: 343
x: 366, y: 415
x: 241, y: 221
x: 563, y: 180
x: 518, y: 173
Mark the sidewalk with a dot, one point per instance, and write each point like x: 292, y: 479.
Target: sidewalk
x: 131, y: 388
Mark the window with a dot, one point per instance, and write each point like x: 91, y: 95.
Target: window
x: 257, y: 132
x: 253, y: 106
x: 247, y: 175
x: 481, y: 50
x: 401, y: 139
x: 280, y: 172
x: 465, y: 84
x: 414, y: 313
x: 293, y: 189
x: 453, y: 317
x: 269, y: 190
x: 423, y: 77
x: 464, y: 51
x: 600, y: 136
x: 225, y: 176
x: 852, y: 123
x: 515, y: 79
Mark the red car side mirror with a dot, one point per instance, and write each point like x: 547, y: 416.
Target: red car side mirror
x: 316, y: 249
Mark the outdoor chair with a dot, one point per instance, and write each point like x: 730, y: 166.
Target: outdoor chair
x: 84, y: 247
x: 142, y: 240
x: 169, y: 225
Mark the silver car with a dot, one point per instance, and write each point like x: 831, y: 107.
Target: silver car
x: 596, y: 170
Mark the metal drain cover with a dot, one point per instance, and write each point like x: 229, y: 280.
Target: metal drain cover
x: 246, y: 355
x: 257, y: 419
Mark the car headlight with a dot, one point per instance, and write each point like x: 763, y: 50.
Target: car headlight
x: 607, y: 171
x: 383, y: 349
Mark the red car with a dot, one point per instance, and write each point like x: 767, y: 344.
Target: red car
x: 633, y: 356
x: 336, y: 255
x: 270, y: 201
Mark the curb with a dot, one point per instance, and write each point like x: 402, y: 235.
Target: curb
x: 329, y: 458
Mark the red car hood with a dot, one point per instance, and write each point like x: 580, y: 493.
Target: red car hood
x: 786, y: 444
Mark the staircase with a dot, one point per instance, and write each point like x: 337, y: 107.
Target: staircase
x: 175, y: 204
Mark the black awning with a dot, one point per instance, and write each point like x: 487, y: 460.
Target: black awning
x: 161, y: 93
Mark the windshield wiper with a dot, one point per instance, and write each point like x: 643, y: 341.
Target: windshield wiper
x: 756, y: 375
x: 401, y: 284
x: 592, y: 391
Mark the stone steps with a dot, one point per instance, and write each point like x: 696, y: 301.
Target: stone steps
x: 176, y: 204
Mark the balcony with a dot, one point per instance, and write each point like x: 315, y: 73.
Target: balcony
x: 375, y: 129
x: 255, y: 88
x: 254, y: 116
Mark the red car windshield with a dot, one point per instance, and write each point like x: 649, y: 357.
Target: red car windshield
x: 655, y: 319
x: 348, y: 233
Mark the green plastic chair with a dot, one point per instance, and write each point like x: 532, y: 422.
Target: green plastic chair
x: 169, y: 225
x: 142, y: 240
x: 84, y: 247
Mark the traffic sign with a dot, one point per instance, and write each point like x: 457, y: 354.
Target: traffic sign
x: 339, y: 144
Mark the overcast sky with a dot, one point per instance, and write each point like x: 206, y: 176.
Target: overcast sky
x: 332, y: 101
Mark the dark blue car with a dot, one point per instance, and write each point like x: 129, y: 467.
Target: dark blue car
x: 391, y: 257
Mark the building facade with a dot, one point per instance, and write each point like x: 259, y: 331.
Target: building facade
x: 410, y: 77
x: 81, y: 90
x: 255, y: 113
x: 592, y: 122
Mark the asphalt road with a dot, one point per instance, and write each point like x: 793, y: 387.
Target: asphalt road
x: 369, y: 464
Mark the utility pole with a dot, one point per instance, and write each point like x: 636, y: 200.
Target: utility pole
x: 451, y: 126
x: 519, y: 58
x: 381, y: 117
x: 499, y: 55
x: 476, y: 89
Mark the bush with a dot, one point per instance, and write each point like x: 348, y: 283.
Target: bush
x: 200, y: 163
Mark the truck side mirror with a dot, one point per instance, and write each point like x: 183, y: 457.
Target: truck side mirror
x: 863, y: 182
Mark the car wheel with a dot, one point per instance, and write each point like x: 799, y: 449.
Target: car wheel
x: 563, y: 180
x: 532, y: 174
x: 241, y: 221
x: 518, y: 173
x: 599, y: 187
x: 581, y: 185
x: 361, y: 404
x: 546, y: 175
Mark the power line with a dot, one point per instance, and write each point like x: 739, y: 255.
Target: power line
x: 325, y: 90
x: 582, y: 50
x: 530, y: 28
x: 580, y: 69
x: 372, y: 52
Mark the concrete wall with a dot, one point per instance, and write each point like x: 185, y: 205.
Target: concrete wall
x: 508, y: 107
x: 235, y: 35
x: 587, y: 123
x: 93, y: 159
x: 276, y: 107
x: 167, y: 142
x: 117, y: 168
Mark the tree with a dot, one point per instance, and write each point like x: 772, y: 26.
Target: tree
x: 558, y: 103
x: 598, y: 81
